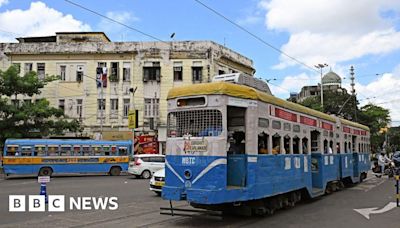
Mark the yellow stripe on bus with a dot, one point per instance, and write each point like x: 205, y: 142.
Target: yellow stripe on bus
x: 63, y: 160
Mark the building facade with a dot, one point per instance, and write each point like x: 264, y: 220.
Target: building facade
x: 100, y: 81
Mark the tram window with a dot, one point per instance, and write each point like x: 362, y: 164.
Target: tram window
x: 337, y: 135
x: 345, y: 147
x: 276, y: 124
x: 195, y: 101
x: 296, y: 144
x: 338, y: 148
x: 198, y: 123
x: 286, y: 127
x: 296, y: 128
x: 286, y: 144
x: 315, y: 141
x: 330, y: 149
x: 349, y: 149
x: 263, y: 122
x: 263, y: 143
x: 345, y: 136
x: 276, y: 144
x: 331, y: 134
x: 304, y: 145
x: 325, y: 133
x: 325, y: 146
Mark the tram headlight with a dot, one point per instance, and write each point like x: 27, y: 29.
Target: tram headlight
x: 187, y: 174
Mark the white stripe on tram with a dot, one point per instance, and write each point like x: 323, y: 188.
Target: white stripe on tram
x: 220, y: 161
x: 173, y: 171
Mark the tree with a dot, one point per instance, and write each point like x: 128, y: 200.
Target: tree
x: 375, y: 117
x: 27, y: 119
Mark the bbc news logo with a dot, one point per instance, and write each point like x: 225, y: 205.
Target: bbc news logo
x: 56, y: 203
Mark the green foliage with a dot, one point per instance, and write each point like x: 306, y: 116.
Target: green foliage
x: 27, y: 119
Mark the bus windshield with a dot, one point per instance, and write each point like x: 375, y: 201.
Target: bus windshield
x: 195, y: 123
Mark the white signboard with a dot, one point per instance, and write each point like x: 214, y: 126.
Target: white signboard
x: 43, y: 179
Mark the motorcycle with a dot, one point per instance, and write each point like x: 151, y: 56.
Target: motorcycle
x: 390, y: 169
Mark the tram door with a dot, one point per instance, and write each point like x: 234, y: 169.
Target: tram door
x: 236, y: 154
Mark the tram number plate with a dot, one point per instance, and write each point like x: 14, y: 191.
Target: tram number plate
x: 188, y: 160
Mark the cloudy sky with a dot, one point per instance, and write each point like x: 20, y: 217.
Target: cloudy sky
x: 341, y: 33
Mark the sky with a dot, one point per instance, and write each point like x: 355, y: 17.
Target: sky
x: 341, y: 33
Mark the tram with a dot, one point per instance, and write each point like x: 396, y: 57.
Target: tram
x: 232, y: 145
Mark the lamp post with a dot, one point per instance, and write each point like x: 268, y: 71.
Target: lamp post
x: 321, y: 66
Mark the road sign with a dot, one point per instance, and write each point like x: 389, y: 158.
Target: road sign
x: 132, y: 119
x: 43, y: 179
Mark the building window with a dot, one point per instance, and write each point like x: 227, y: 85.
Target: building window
x: 114, y: 74
x: 79, y: 108
x: 221, y: 72
x: 126, y: 108
x: 151, y: 71
x: 61, y: 104
x: 41, y: 71
x: 178, y: 71
x: 197, y: 73
x: 28, y: 67
x: 63, y: 72
x: 18, y: 67
x: 79, y: 73
x: 151, y: 107
x: 101, y: 107
x: 114, y: 108
x: 126, y: 75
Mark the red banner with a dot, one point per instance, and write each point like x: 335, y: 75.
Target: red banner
x: 346, y: 129
x: 285, y: 115
x: 308, y: 121
x: 363, y: 133
x: 146, y: 144
x: 327, y: 126
x: 356, y: 132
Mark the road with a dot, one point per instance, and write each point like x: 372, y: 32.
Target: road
x: 139, y: 207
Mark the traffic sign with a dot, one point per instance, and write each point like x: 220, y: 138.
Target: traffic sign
x: 43, y: 179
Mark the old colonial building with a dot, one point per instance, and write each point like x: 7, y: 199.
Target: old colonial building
x: 133, y: 75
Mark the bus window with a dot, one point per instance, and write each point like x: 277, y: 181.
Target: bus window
x: 52, y: 150
x: 98, y: 150
x: 40, y: 150
x: 12, y: 150
x: 26, y: 151
x: 106, y: 150
x: 113, y: 151
x: 123, y: 151
x: 86, y: 150
x: 77, y: 150
x: 65, y: 150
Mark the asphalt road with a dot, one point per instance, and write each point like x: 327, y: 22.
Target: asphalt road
x: 139, y: 207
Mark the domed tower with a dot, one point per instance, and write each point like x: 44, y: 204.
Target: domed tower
x: 331, y: 79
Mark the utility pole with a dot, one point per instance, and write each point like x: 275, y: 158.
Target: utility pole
x: 353, y: 91
x: 321, y: 66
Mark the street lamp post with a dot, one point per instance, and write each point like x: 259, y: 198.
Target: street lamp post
x: 321, y: 66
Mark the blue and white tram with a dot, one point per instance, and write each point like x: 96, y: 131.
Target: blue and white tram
x: 231, y: 145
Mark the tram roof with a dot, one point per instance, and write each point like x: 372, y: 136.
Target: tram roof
x: 245, y: 92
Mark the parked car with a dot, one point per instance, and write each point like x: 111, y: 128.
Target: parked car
x: 157, y: 181
x: 144, y: 165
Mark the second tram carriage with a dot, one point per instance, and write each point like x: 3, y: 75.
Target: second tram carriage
x: 233, y: 146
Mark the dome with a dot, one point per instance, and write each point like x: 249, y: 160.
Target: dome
x: 331, y: 78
